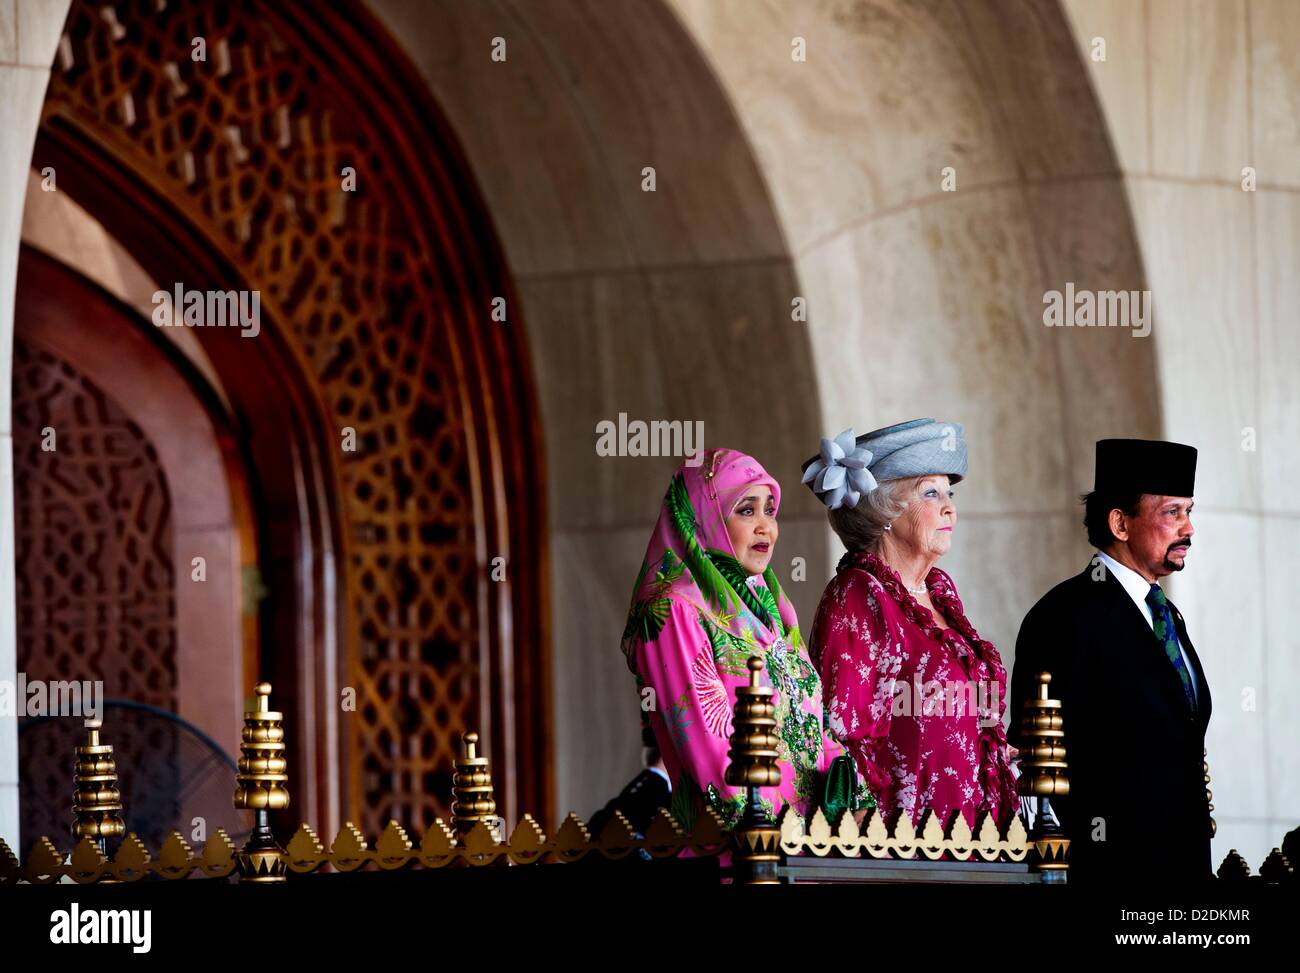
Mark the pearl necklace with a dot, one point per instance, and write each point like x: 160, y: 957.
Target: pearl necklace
x: 920, y: 589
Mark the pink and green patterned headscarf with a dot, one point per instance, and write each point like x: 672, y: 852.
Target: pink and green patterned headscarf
x: 696, y: 618
x: 690, y: 557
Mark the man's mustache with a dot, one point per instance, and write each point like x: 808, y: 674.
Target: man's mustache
x: 1178, y: 544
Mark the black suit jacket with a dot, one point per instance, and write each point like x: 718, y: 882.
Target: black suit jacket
x: 1133, y: 746
x: 639, y: 801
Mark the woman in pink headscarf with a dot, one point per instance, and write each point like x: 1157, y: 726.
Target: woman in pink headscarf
x: 705, y: 601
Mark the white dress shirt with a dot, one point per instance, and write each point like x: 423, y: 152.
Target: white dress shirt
x: 1137, y: 588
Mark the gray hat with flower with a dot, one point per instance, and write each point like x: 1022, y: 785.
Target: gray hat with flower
x: 849, y: 466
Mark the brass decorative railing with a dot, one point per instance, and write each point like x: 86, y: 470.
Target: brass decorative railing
x: 440, y: 847
x: 758, y: 847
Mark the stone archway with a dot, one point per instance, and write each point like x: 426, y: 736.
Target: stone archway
x: 926, y: 292
x: 671, y: 305
x: 781, y: 179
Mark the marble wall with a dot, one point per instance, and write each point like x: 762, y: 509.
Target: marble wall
x: 29, y: 34
x: 1194, y: 92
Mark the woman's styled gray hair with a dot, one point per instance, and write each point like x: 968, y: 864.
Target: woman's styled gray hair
x: 860, y: 528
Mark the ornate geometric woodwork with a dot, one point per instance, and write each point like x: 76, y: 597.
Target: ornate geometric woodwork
x: 380, y: 296
x: 93, y: 552
x: 93, y: 558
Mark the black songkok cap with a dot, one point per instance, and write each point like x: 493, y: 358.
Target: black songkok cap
x: 1145, y: 466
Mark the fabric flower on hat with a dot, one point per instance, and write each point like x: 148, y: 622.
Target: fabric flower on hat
x: 840, y: 476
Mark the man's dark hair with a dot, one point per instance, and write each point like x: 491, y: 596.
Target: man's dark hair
x: 1096, y: 514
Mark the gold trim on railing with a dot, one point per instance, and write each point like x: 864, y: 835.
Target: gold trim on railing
x: 905, y: 841
x: 527, y: 844
x: 133, y: 861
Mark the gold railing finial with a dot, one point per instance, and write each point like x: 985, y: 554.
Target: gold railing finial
x: 1233, y: 868
x: 754, y: 742
x: 1044, y: 774
x: 1276, y: 868
x: 96, y: 801
x: 471, y: 793
x: 756, y: 841
x: 261, y: 788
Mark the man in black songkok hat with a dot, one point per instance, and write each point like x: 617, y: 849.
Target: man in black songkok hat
x: 1133, y: 694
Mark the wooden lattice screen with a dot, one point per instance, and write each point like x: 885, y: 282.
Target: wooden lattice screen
x: 379, y: 291
x: 93, y: 552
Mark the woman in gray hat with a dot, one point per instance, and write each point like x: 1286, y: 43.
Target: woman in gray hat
x: 911, y: 690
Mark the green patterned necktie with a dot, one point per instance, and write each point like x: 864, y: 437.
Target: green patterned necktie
x: 1167, y: 634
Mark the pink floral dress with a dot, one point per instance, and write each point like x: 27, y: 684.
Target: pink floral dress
x: 695, y: 618
x: 919, y: 707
